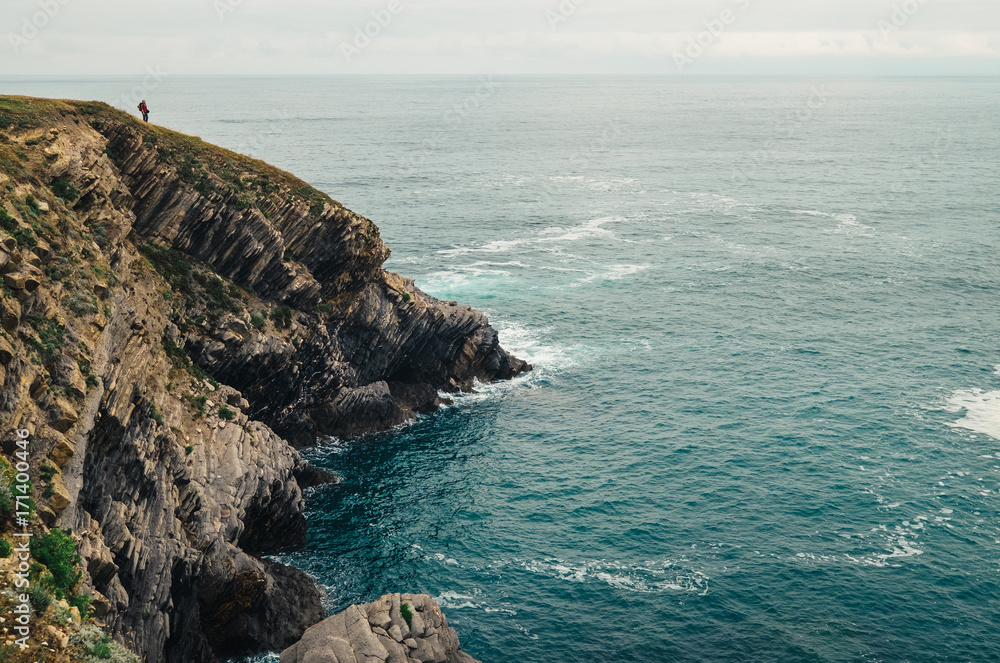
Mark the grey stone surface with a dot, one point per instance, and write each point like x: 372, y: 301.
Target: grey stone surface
x: 172, y: 506
x: 357, y: 634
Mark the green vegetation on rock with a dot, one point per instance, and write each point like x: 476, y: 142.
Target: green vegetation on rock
x: 406, y: 614
x: 57, y: 551
x: 282, y: 317
x: 48, y: 345
x: 64, y: 190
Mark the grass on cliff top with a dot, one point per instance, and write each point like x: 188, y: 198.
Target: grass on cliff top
x: 30, y: 113
x: 189, y: 154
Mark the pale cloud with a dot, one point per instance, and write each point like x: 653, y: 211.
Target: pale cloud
x: 499, y: 36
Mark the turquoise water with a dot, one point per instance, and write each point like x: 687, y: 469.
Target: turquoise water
x: 765, y: 420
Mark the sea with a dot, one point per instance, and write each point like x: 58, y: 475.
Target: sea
x: 764, y: 315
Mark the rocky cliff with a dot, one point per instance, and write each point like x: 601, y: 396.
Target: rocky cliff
x: 176, y: 319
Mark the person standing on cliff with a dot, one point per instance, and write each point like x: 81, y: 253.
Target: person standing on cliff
x: 144, y: 109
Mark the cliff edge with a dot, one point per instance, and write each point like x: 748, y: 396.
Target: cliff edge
x: 177, y: 318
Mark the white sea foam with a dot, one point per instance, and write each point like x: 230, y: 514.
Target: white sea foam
x: 268, y: 657
x: 982, y: 411
x: 895, y: 542
x: 646, y: 578
x: 548, y: 239
x: 451, y: 600
x: 847, y: 224
x: 447, y: 281
x: 447, y: 561
x: 899, y: 546
x: 530, y: 345
x: 613, y: 273
x: 618, y: 184
x: 455, y: 600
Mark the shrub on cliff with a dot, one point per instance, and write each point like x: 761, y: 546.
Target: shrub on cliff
x: 7, y: 222
x: 29, y: 208
x: 64, y: 190
x: 57, y: 551
x: 98, y: 647
x: 48, y: 345
x: 40, y: 597
x: 282, y: 317
x: 25, y: 238
x: 6, y: 500
x: 220, y: 297
x: 406, y: 614
x: 171, y: 266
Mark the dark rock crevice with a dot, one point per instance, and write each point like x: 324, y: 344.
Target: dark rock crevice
x: 175, y: 486
x: 380, y: 327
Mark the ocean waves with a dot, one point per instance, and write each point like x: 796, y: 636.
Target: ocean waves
x: 982, y: 411
x: 651, y: 577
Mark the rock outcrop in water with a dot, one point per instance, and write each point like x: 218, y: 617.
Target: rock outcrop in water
x: 173, y: 316
x: 397, y: 628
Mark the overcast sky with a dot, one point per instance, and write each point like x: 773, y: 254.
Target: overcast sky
x: 500, y: 36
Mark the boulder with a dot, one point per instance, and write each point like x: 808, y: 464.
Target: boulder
x: 63, y: 415
x: 373, y: 632
x: 10, y: 313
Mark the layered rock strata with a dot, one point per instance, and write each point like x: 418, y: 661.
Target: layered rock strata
x: 173, y: 316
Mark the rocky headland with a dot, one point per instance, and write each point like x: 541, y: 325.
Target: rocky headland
x: 176, y: 320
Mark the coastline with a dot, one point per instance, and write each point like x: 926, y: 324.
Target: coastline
x: 221, y: 307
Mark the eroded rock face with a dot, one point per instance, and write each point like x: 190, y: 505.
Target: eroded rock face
x: 380, y: 329
x: 378, y: 632
x: 173, y: 484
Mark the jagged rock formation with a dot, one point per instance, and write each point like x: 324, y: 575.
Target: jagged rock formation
x: 173, y: 314
x: 383, y: 631
x: 380, y: 353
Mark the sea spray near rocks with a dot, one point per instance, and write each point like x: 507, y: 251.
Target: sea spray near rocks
x: 173, y: 309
